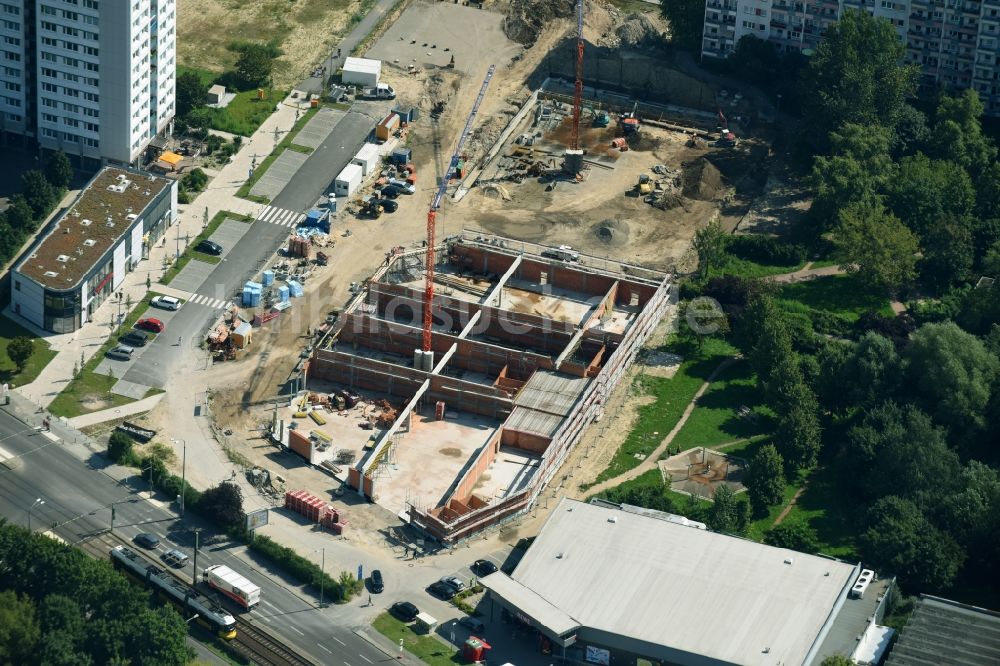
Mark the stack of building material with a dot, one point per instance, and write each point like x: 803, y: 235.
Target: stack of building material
x: 294, y: 289
x: 283, y: 293
x: 251, y: 294
x: 268, y: 278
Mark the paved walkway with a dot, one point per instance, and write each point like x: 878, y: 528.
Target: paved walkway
x: 807, y: 272
x: 650, y: 461
x: 131, y: 409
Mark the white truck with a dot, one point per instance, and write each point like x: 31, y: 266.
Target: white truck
x: 380, y: 91
x: 233, y: 585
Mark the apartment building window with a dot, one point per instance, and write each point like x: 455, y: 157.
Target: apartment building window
x: 48, y: 41
x: 72, y: 62
x: 51, y: 73
x: 72, y: 108
x: 49, y: 87
x: 71, y: 46
x: 49, y: 11
x: 89, y: 20
x: 71, y: 77
x: 11, y: 9
x: 93, y: 113
x: 11, y: 25
x: 91, y: 50
x: 13, y: 41
x: 71, y: 92
x: 12, y: 71
x: 12, y: 101
x: 72, y: 122
x: 90, y: 81
x: 91, y: 66
x: 49, y: 118
x: 91, y: 97
x: 72, y: 32
x: 87, y: 141
x: 48, y: 133
x: 50, y: 57
x: 48, y: 25
x: 90, y: 4
x: 70, y: 138
x: 11, y: 86
x: 91, y: 127
x: 13, y: 117
x: 16, y: 57
x: 72, y: 16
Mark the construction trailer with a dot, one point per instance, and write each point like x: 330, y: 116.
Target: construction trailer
x: 367, y: 158
x: 361, y: 72
x: 348, y: 181
x: 387, y: 127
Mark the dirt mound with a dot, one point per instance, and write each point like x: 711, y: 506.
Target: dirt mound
x: 612, y: 232
x: 702, y: 180
x: 525, y: 19
x: 636, y: 31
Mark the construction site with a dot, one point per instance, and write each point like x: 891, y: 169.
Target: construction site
x: 524, y: 351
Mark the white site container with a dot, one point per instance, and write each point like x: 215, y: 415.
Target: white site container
x: 367, y: 158
x: 348, y: 181
x: 361, y: 72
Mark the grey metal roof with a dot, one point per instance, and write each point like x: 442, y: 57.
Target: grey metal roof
x: 700, y: 592
x: 551, y: 392
x: 530, y: 420
x: 947, y: 633
x: 530, y: 603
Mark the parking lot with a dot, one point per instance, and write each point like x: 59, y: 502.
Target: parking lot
x: 279, y: 174
x: 317, y: 129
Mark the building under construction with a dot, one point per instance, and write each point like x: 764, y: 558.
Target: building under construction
x: 528, y: 342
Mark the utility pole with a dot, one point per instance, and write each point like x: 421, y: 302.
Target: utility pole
x: 322, y: 568
x: 183, y: 472
x: 194, y: 576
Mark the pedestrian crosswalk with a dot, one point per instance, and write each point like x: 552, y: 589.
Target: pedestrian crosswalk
x: 280, y: 216
x: 215, y: 303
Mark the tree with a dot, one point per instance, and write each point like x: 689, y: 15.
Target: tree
x: 837, y: 660
x: 948, y: 254
x: 20, y: 216
x: 223, y: 504
x: 875, y: 245
x: 119, y: 447
x: 190, y: 92
x: 991, y: 261
x: 655, y: 497
x: 871, y: 371
x: 899, y: 539
x: 254, y: 63
x: 58, y: 170
x: 973, y: 513
x: 765, y: 479
x: 925, y: 192
x: 686, y: 19
x: 858, y: 166
x: 710, y: 244
x: 798, y: 433
x: 158, y: 636
x: 952, y: 372
x: 19, y: 350
x: 857, y: 75
x: 19, y: 631
x: 723, y: 516
x: 793, y: 535
x: 957, y: 134
x: 38, y: 192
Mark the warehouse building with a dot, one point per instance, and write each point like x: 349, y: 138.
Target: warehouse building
x: 87, y: 251
x: 616, y: 586
x: 947, y: 632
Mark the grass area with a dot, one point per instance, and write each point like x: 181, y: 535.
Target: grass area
x: 734, y: 265
x: 824, y: 263
x: 39, y: 358
x: 91, y: 392
x: 843, y: 295
x: 246, y: 112
x: 428, y: 649
x: 823, y: 509
x: 672, y: 396
x: 715, y: 421
x: 190, y: 253
x: 287, y: 143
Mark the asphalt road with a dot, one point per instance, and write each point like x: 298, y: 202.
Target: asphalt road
x: 79, y: 489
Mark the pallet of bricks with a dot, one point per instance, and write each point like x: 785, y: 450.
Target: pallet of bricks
x: 315, y: 509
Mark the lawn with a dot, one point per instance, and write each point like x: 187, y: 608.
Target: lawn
x: 190, y: 253
x: 672, y: 396
x: 822, y: 507
x: 287, y: 143
x: 39, y: 358
x: 246, y: 112
x: 715, y: 421
x: 745, y: 268
x: 423, y: 646
x: 843, y: 295
x: 91, y: 392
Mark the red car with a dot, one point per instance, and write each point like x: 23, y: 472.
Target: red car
x: 151, y: 324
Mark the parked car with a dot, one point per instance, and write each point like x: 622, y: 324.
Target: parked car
x: 175, y: 558
x: 391, y: 191
x: 483, y: 567
x: 453, y: 581
x: 388, y: 205
x: 146, y: 540
x: 376, y: 581
x: 472, y: 624
x: 405, y: 611
x: 209, y: 247
x: 120, y: 353
x: 165, y: 303
x: 151, y: 324
x: 402, y: 185
x: 442, y: 591
x: 135, y: 338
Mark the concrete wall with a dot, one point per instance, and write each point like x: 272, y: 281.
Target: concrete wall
x: 27, y: 299
x: 365, y: 373
x: 470, y: 476
x: 527, y: 441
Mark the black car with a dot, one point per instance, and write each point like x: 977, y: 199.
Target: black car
x: 405, y: 611
x: 388, y: 205
x: 376, y: 581
x: 483, y: 567
x: 391, y: 191
x: 135, y: 338
x: 442, y: 590
x: 145, y: 540
x: 209, y: 247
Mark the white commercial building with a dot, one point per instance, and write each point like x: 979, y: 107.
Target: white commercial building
x: 93, y: 78
x: 610, y: 585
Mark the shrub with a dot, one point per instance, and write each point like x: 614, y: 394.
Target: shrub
x: 298, y: 567
x: 766, y: 250
x: 796, y: 536
x: 120, y: 448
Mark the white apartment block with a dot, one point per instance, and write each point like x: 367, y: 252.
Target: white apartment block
x: 93, y: 78
x: 956, y: 42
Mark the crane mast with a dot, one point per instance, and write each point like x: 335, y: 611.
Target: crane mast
x: 578, y: 85
x: 436, y: 204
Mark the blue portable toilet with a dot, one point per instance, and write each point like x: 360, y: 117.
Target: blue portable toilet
x: 283, y: 293
x: 268, y: 278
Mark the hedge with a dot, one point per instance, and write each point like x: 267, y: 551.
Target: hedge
x: 766, y: 250
x: 299, y: 567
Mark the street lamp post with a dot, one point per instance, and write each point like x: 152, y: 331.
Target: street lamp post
x: 38, y: 502
x: 194, y: 575
x: 322, y: 568
x: 151, y: 487
x: 183, y: 471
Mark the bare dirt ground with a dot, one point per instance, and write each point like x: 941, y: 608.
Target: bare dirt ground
x: 303, y: 29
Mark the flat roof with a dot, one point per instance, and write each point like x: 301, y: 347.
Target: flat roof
x: 551, y: 392
x: 687, y: 589
x: 947, y: 632
x: 362, y: 65
x: 98, y: 218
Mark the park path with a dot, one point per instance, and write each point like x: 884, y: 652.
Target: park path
x: 650, y: 461
x: 791, y: 504
x: 807, y: 272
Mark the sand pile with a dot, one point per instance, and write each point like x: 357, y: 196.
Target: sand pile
x: 636, y: 31
x: 702, y: 180
x: 525, y: 19
x: 612, y: 232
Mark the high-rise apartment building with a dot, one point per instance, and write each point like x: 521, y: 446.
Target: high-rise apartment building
x: 955, y: 42
x: 93, y: 78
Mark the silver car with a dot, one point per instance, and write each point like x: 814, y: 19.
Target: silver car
x: 175, y: 558
x: 121, y: 353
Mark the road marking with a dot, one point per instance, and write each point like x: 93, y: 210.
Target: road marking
x: 346, y: 664
x: 320, y: 645
x: 365, y: 658
x: 296, y: 631
x: 207, y: 301
x: 281, y: 217
x: 339, y: 641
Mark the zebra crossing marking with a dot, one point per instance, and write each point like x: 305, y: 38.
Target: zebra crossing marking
x: 281, y: 217
x: 217, y: 303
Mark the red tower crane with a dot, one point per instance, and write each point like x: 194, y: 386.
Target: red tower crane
x: 574, y: 137
x: 436, y: 205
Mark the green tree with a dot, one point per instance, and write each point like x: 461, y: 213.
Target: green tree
x: 798, y: 432
x: 948, y: 254
x: 900, y: 540
x: 190, y: 92
x: 19, y: 632
x: 765, y: 479
x: 38, y: 192
x: 710, y: 244
x: 254, y: 64
x: 223, y: 505
x: 991, y: 261
x: 952, y: 372
x: 794, y: 536
x: 837, y: 660
x: 857, y: 168
x: 19, y: 350
x: 158, y: 637
x: 871, y: 371
x: 20, y: 216
x: 925, y: 192
x: 857, y: 75
x: 58, y: 170
x: 957, y: 134
x: 655, y: 497
x: 875, y: 245
x: 63, y: 625
x: 724, y: 516
x: 120, y: 447
x: 195, y: 180
x: 686, y: 19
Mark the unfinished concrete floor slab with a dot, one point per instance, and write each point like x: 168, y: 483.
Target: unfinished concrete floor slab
x: 510, y: 472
